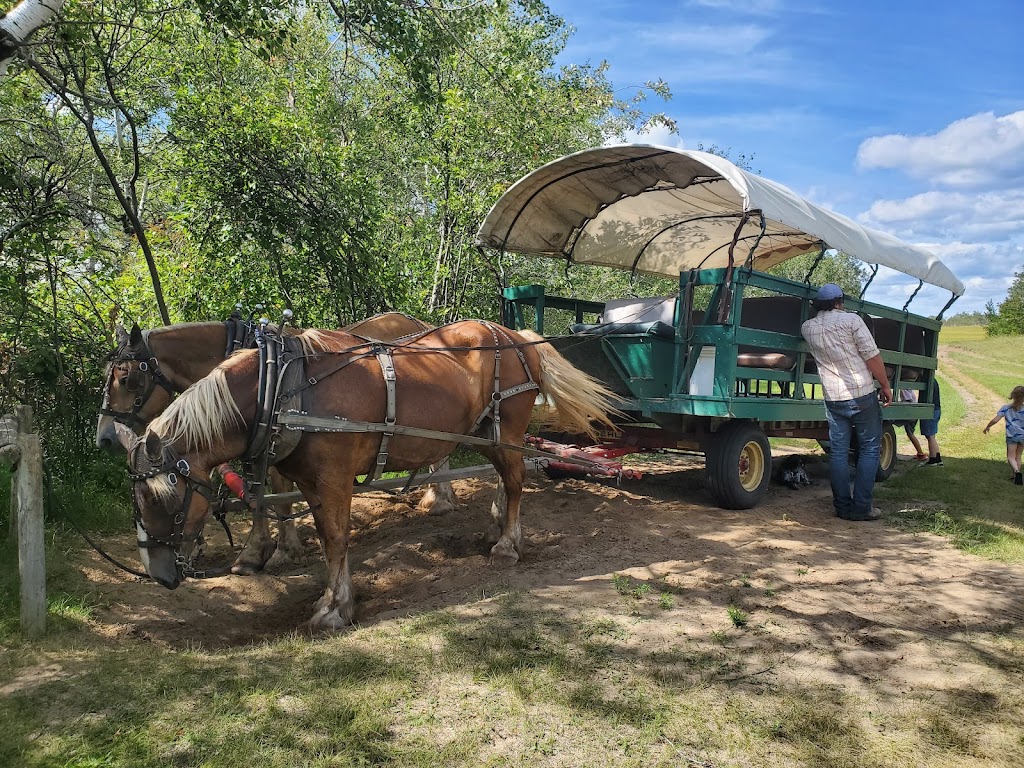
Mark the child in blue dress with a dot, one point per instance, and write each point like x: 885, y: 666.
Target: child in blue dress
x: 1013, y: 412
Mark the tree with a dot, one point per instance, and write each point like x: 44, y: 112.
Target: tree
x: 1008, y: 319
x: 161, y: 162
x: 19, y: 24
x: 968, y: 318
x: 835, y: 267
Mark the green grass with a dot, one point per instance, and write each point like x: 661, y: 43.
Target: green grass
x: 969, y: 500
x: 516, y: 684
x: 952, y: 334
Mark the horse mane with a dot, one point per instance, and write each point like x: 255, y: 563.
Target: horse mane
x: 201, y: 415
x: 313, y: 340
x: 160, y: 486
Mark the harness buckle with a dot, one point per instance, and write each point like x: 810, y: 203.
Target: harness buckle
x: 183, y: 467
x: 143, y: 366
x: 172, y: 478
x: 382, y: 459
x: 311, y: 380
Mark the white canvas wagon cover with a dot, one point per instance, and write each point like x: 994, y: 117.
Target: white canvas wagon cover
x: 661, y: 211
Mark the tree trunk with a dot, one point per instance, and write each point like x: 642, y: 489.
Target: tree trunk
x: 21, y: 23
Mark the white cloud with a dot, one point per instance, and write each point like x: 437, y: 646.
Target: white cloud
x: 981, y: 216
x: 728, y: 40
x: 976, y: 151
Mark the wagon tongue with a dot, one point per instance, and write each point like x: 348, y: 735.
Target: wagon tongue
x: 591, y: 460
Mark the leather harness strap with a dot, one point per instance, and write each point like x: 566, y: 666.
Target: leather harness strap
x: 493, y: 408
x: 387, y: 367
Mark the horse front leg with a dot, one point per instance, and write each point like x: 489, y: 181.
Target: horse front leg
x: 257, y: 550
x: 289, y: 547
x: 332, y: 508
x: 512, y: 472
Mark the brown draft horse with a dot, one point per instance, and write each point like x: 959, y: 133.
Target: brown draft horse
x: 149, y: 368
x: 446, y: 381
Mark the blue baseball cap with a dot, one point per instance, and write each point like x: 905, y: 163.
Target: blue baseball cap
x: 830, y: 292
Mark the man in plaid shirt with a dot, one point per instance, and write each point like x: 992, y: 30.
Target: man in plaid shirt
x: 848, y: 361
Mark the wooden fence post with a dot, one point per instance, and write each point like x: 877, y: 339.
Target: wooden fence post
x: 31, y: 537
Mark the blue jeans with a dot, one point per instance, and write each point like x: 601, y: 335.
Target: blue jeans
x: 863, y: 416
x: 930, y: 427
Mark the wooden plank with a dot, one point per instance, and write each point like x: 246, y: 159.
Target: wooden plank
x: 31, y: 551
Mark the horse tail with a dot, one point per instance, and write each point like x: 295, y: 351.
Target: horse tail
x: 574, y: 401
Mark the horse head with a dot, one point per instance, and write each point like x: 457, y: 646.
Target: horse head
x: 171, y: 505
x: 170, y: 472
x: 135, y: 390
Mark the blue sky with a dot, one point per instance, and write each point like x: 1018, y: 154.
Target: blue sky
x: 905, y: 115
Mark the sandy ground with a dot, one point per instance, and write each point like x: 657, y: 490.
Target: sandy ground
x: 834, y: 599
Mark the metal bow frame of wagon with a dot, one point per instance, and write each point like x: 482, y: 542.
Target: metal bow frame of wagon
x: 663, y: 211
x: 672, y: 213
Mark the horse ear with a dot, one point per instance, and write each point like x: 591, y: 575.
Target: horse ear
x: 154, y: 447
x: 136, y: 337
x: 121, y: 334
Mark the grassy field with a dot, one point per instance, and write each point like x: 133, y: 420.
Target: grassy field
x: 515, y: 682
x: 969, y: 500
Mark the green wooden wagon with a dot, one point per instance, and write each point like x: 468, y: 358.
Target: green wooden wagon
x: 718, y: 366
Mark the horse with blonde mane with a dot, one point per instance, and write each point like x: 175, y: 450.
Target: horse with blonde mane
x: 149, y: 368
x: 470, y: 378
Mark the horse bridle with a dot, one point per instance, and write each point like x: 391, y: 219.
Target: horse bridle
x: 147, y: 364
x: 239, y: 336
x: 174, y: 468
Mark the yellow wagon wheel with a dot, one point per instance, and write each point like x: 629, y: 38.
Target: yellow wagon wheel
x: 739, y: 464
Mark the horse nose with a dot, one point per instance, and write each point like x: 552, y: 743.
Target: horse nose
x: 160, y: 563
x: 106, y: 436
x: 171, y: 584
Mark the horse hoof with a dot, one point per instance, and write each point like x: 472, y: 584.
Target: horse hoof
x: 438, y: 508
x: 280, y: 559
x: 503, y: 555
x: 435, y: 504
x: 330, y: 621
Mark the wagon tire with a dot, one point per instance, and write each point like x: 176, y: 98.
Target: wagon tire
x: 887, y: 451
x: 738, y: 465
